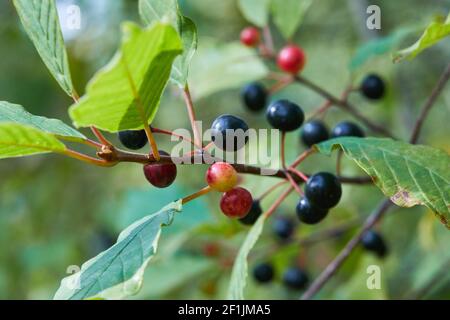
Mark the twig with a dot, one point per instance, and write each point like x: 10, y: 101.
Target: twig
x: 333, y: 267
x: 271, y: 189
x: 196, y: 195
x: 279, y: 201
x: 192, y: 118
x: 429, y: 104
x: 344, y: 105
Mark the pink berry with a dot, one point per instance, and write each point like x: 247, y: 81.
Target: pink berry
x: 291, y: 59
x: 250, y: 37
x: 161, y: 175
x: 222, y: 177
x: 236, y: 203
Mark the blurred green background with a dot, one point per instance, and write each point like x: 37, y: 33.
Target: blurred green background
x: 56, y: 212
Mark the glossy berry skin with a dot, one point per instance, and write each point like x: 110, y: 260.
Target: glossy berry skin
x: 372, y: 241
x: 308, y: 213
x: 263, y: 273
x: 373, y: 87
x: 253, y: 215
x: 250, y: 37
x: 291, y: 59
x: 347, y: 129
x: 222, y: 177
x: 295, y: 278
x: 254, y: 96
x: 314, y: 132
x: 323, y: 190
x: 133, y: 140
x: 236, y: 203
x: 229, y: 132
x: 161, y: 175
x: 283, y: 228
x: 285, y: 115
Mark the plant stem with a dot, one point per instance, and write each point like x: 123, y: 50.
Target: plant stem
x: 192, y: 118
x: 429, y: 104
x: 300, y: 174
x: 85, y: 158
x: 271, y: 189
x: 293, y: 183
x: 196, y: 195
x: 344, y: 105
x: 170, y: 133
x: 333, y: 267
x: 279, y: 201
x: 302, y: 157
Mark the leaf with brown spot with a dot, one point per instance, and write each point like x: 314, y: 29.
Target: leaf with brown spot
x: 409, y: 174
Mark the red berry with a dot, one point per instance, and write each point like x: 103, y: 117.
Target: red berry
x: 250, y: 37
x: 222, y: 177
x: 236, y: 203
x: 161, y: 175
x: 291, y: 59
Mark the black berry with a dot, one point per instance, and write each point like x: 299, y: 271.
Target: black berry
x: 285, y: 115
x: 373, y: 87
x: 309, y: 213
x: 295, y: 278
x: 133, y: 140
x: 314, y: 132
x: 263, y: 273
x: 372, y: 241
x: 347, y: 129
x: 323, y: 190
x: 229, y: 133
x: 254, y: 96
x: 283, y: 228
x: 253, y: 215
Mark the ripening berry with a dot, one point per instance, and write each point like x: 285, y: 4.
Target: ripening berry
x: 373, y: 87
x: 372, y: 241
x: 222, y: 177
x: 250, y: 37
x: 347, y: 129
x: 314, y: 132
x: 323, y: 190
x: 132, y: 139
x: 285, y: 115
x: 308, y: 213
x: 263, y: 272
x: 295, y: 278
x: 253, y: 215
x: 254, y: 96
x: 291, y: 59
x: 161, y: 175
x: 236, y: 203
x: 229, y: 132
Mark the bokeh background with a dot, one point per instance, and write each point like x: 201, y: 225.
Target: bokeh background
x: 56, y: 212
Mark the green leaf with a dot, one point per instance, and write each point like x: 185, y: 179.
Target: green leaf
x: 435, y: 32
x: 289, y: 14
x: 409, y: 174
x: 180, y: 70
x: 118, y: 272
x: 255, y: 11
x: 240, y: 268
x: 165, y: 11
x: 152, y: 11
x: 17, y: 114
x: 18, y: 140
x: 40, y: 20
x: 379, y: 47
x: 229, y: 66
x: 126, y: 93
